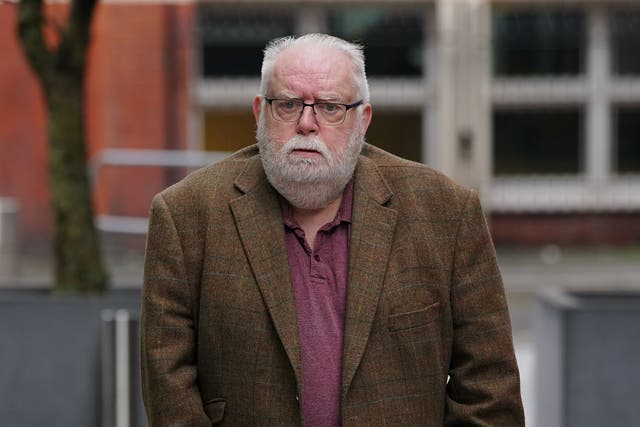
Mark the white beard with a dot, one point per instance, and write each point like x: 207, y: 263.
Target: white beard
x: 308, y: 183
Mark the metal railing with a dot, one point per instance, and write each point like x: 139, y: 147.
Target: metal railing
x: 119, y: 157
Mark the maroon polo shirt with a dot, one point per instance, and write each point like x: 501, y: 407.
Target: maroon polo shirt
x: 319, y: 277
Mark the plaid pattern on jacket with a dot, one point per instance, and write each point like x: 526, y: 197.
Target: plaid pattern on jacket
x: 427, y: 333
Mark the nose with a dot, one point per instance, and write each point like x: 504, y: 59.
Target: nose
x: 307, y: 123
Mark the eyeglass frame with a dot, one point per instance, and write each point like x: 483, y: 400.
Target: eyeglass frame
x: 312, y: 105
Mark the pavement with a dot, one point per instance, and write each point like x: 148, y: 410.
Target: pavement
x: 525, y: 272
x: 595, y: 268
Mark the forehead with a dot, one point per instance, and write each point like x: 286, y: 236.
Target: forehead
x: 313, y: 71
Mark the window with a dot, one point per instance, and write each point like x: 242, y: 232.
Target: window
x: 537, y: 141
x: 626, y: 42
x: 229, y: 130
x: 627, y: 129
x: 393, y: 40
x: 232, y: 40
x: 397, y: 132
x: 527, y: 43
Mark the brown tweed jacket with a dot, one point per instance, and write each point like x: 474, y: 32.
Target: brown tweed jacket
x: 427, y: 336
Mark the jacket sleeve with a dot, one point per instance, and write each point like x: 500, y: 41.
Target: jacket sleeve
x: 484, y: 385
x: 168, y: 353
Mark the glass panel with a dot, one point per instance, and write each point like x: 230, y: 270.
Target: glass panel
x: 393, y: 39
x: 228, y: 130
x: 537, y: 141
x: 399, y: 133
x: 627, y: 127
x: 538, y: 42
x: 626, y: 42
x: 232, y: 40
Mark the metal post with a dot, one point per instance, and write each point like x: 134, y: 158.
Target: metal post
x: 122, y: 374
x: 108, y: 366
x: 121, y: 391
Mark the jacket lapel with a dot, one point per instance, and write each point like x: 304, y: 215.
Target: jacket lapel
x: 372, y: 231
x: 259, y: 223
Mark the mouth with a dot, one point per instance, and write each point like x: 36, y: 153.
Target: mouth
x: 305, y: 152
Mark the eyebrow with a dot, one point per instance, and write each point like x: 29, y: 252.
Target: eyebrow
x: 333, y: 99
x: 328, y: 98
x: 291, y: 95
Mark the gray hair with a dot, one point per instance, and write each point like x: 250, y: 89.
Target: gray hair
x: 352, y: 50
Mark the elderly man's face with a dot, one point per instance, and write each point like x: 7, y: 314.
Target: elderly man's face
x: 305, y: 152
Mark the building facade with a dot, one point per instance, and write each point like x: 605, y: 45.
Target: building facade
x: 534, y: 104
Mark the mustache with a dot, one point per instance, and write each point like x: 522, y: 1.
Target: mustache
x: 311, y: 143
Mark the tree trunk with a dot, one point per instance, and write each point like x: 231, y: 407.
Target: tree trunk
x: 78, y: 265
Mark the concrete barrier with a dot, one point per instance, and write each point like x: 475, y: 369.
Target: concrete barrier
x: 55, y: 361
x: 587, y: 346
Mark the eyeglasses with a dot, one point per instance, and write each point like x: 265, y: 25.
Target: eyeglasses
x: 326, y: 113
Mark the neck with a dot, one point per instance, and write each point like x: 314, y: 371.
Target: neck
x: 311, y: 220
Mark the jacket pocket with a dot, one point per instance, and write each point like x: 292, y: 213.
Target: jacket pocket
x: 214, y: 409
x: 414, y: 319
x: 417, y: 339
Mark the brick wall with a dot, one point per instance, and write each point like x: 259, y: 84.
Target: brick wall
x: 23, y: 172
x: 566, y: 229
x: 139, y: 67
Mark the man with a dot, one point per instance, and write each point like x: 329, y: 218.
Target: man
x: 317, y: 280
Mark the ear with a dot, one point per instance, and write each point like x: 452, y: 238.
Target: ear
x: 366, y: 116
x: 257, y: 107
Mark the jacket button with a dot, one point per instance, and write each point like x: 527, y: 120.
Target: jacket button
x: 297, y: 398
